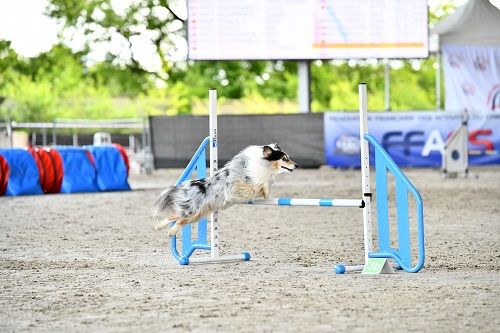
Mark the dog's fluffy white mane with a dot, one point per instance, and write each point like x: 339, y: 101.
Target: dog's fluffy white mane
x: 257, y: 165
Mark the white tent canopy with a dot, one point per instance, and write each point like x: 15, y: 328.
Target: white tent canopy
x: 477, y: 22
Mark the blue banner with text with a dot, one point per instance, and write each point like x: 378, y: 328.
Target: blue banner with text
x: 412, y: 138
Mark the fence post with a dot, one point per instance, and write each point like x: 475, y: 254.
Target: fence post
x: 54, y: 135
x: 9, y: 133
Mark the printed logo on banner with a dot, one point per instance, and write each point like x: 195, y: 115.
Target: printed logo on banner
x: 493, y: 101
x: 347, y: 144
x: 403, y: 140
x: 418, y: 141
x: 481, y: 63
x: 468, y: 88
x: 485, y: 145
x: 455, y: 60
x: 471, y: 73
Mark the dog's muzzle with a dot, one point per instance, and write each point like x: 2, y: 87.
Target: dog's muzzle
x: 288, y: 169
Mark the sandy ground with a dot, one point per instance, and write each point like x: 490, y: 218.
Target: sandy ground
x: 92, y: 262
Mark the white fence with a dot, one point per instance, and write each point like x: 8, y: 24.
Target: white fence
x: 140, y: 152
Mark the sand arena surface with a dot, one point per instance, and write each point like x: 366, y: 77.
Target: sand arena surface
x: 92, y: 262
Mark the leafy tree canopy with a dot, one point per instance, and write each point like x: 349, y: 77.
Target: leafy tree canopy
x: 64, y: 82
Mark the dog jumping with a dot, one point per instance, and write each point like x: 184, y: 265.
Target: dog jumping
x: 247, y: 176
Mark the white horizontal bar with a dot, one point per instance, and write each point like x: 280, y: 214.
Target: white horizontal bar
x: 354, y: 268
x: 119, y: 120
x: 359, y: 268
x: 206, y: 260
x: 76, y: 125
x: 309, y: 202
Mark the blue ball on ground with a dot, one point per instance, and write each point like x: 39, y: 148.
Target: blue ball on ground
x: 339, y: 269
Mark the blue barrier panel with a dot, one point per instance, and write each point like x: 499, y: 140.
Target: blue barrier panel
x: 197, y: 166
x: 402, y: 254
x: 24, y: 177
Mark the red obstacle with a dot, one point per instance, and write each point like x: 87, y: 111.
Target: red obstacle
x: 50, y: 168
x: 123, y: 152
x: 4, y: 175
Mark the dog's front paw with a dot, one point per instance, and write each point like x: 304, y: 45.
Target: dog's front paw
x: 161, y: 225
x: 265, y: 191
x: 172, y: 232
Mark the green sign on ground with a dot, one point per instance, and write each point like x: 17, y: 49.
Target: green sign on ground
x: 378, y: 266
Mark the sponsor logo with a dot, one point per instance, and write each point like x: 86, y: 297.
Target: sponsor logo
x: 214, y: 139
x: 493, y: 99
x: 347, y: 144
x: 455, y: 60
x: 481, y: 63
x: 434, y: 142
x: 468, y: 88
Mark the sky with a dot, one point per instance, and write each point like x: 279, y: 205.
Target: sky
x: 23, y: 23
x: 31, y: 32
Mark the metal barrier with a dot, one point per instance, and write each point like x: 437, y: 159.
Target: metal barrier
x: 402, y: 254
x: 144, y: 154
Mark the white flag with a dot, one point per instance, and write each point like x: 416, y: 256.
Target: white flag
x: 472, y: 78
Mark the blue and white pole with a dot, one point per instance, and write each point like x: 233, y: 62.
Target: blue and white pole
x: 214, y: 166
x: 215, y: 256
x: 366, y: 193
x: 309, y: 202
x: 365, y: 170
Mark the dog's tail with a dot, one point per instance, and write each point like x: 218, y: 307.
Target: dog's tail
x: 164, y: 201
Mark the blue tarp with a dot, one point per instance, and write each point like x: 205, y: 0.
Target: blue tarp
x: 24, y: 177
x: 111, y: 169
x: 79, y: 172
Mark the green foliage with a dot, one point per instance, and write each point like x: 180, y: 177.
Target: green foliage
x: 62, y: 83
x: 101, y: 22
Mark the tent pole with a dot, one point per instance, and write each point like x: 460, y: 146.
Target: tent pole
x: 387, y: 85
x: 438, y: 80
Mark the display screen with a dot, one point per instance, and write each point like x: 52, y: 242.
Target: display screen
x: 307, y: 29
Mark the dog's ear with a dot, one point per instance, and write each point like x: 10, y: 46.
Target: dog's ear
x: 267, y: 151
x: 277, y: 147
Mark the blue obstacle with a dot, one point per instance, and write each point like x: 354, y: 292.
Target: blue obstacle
x: 80, y: 173
x: 402, y: 254
x: 90, y: 169
x: 111, y: 169
x: 24, y: 177
x: 196, y: 168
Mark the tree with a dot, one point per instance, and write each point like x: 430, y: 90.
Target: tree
x: 151, y: 20
x: 67, y: 83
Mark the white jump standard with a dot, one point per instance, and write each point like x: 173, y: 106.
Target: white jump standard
x: 402, y: 255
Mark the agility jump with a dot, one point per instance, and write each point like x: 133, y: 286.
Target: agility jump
x: 402, y: 255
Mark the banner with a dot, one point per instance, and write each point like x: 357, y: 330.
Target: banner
x: 411, y: 138
x: 472, y: 78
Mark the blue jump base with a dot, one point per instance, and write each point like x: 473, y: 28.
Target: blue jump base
x: 402, y: 255
x: 196, y: 169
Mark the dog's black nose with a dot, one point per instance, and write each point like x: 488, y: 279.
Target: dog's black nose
x: 296, y: 166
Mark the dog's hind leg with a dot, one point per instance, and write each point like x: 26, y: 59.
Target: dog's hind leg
x: 265, y: 191
x: 165, y: 223
x: 176, y: 227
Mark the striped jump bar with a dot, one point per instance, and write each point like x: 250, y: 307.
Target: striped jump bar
x: 309, y: 202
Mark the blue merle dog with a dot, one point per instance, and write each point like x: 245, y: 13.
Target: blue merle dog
x: 249, y: 175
